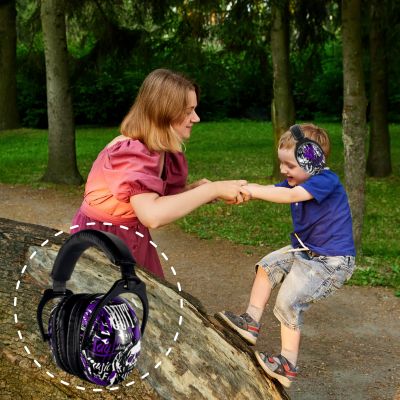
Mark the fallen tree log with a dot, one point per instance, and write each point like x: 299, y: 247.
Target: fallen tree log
x: 185, y: 353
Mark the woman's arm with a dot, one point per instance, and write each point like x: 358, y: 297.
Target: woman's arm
x: 277, y: 194
x: 196, y: 184
x: 154, y: 211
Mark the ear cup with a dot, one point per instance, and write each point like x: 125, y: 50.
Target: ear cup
x: 62, y: 326
x: 74, y: 333
x: 54, y: 333
x: 308, y: 153
x: 113, y: 344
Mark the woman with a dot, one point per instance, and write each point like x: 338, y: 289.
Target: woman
x: 139, y: 179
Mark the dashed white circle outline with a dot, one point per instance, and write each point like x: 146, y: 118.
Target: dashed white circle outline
x: 51, y: 375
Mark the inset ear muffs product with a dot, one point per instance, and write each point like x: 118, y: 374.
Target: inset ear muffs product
x: 308, y: 153
x: 94, y: 336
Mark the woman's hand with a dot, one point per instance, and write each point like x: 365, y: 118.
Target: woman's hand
x: 232, y: 192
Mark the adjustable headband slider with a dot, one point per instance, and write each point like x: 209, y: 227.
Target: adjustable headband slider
x: 59, y: 287
x: 127, y: 268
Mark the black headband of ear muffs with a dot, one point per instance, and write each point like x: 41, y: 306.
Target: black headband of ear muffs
x: 75, y: 245
x: 308, y: 153
x: 297, y: 133
x: 118, y: 254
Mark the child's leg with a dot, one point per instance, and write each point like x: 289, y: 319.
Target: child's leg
x: 283, y: 366
x: 290, y: 343
x: 260, y: 294
x: 270, y: 271
x: 248, y: 324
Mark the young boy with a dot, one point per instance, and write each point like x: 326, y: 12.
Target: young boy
x: 321, y: 255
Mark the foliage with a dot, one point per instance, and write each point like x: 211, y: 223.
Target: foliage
x: 231, y: 150
x: 224, y: 46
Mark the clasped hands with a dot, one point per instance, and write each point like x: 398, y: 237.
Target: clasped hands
x: 239, y: 194
x: 231, y: 191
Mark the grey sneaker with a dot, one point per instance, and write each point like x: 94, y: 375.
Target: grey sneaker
x: 277, y: 367
x: 243, y: 324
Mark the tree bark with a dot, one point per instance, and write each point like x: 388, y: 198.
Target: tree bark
x: 379, y: 159
x: 282, y: 107
x: 187, y: 354
x: 8, y: 54
x: 354, y: 114
x: 61, y: 166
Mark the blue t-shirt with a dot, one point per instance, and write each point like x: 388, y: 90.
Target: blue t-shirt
x: 323, y: 223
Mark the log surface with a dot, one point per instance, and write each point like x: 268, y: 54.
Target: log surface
x: 185, y: 353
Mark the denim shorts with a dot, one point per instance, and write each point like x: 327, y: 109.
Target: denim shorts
x: 305, y: 280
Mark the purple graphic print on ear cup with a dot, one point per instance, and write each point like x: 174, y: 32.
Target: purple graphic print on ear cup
x: 114, y: 342
x: 113, y: 347
x: 310, y: 157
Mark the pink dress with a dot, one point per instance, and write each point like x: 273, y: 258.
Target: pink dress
x: 120, y: 171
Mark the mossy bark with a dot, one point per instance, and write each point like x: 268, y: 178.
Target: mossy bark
x: 354, y: 114
x: 61, y: 166
x: 282, y: 107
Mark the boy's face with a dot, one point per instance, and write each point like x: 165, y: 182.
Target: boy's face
x: 290, y: 168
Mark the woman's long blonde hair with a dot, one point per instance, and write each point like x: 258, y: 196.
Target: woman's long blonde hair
x: 162, y: 100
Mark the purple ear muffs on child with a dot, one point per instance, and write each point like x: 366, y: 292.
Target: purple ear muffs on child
x: 308, y: 153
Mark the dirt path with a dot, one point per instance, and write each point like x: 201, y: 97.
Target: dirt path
x: 350, y: 344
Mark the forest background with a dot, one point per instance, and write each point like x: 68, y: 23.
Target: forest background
x: 223, y: 45
x: 333, y: 62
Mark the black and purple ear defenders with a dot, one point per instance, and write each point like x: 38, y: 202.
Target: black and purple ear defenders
x: 94, y: 336
x: 308, y: 153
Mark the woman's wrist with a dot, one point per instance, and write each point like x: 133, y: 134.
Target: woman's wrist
x: 215, y: 189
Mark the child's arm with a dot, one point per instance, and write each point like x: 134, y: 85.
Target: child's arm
x: 277, y: 194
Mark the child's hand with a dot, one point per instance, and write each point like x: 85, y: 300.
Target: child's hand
x: 231, y: 191
x: 243, y: 197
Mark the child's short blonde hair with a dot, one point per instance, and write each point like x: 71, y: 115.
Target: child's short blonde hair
x: 162, y: 100
x: 311, y: 131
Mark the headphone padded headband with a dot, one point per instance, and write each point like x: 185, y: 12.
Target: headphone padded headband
x: 115, y: 249
x: 297, y: 132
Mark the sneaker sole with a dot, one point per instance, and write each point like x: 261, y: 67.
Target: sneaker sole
x: 282, y: 379
x: 248, y: 337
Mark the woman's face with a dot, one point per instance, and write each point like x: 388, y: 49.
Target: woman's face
x: 184, y: 127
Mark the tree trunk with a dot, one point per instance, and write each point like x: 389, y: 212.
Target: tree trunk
x: 354, y: 113
x: 379, y: 159
x: 8, y: 83
x: 185, y: 353
x: 61, y: 166
x: 282, y: 107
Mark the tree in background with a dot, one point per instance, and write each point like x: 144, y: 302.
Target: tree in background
x: 379, y: 159
x: 8, y: 85
x: 282, y: 107
x: 354, y: 113
x: 315, y: 31
x: 61, y: 166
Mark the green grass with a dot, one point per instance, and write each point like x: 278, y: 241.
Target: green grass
x: 232, y: 150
